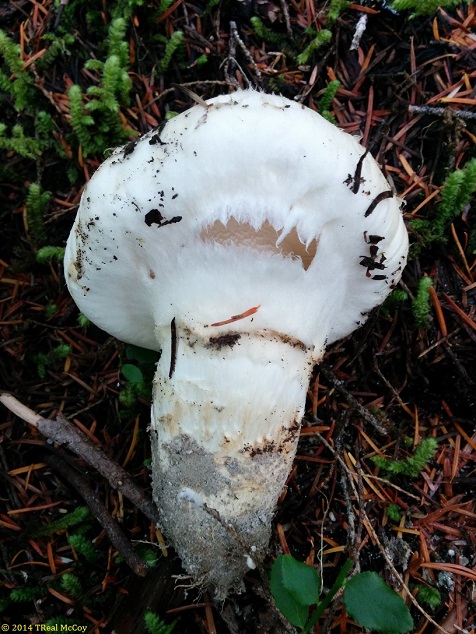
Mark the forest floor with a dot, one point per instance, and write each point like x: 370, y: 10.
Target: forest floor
x: 407, y: 88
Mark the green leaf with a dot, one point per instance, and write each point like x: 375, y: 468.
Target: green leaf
x: 132, y: 373
x: 374, y: 605
x: 295, y: 586
x: 141, y: 354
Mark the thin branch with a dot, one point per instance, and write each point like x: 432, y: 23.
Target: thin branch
x: 62, y: 432
x: 352, y: 401
x: 115, y: 534
x: 439, y: 112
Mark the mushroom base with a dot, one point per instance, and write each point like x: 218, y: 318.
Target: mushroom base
x: 225, y: 425
x: 217, y: 509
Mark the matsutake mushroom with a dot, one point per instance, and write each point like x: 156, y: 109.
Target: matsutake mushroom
x: 239, y: 239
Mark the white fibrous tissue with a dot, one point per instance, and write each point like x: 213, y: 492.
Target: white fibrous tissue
x: 250, y: 563
x: 189, y: 495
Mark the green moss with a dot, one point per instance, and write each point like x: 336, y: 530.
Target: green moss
x: 411, y: 466
x: 83, y: 547
x: 327, y: 98
x: 421, y: 303
x: 72, y: 585
x: 16, y: 81
x: 394, y: 512
x: 50, y: 359
x: 155, y: 625
x: 424, y: 7
x: 22, y: 595
x: 95, y: 115
x: 266, y: 34
x: 18, y: 142
x: 456, y: 193
x: 58, y: 46
x: 336, y: 8
x: 46, y: 254
x: 429, y: 596
x: 36, y: 203
x: 320, y: 39
x: 396, y: 298
x: 74, y: 518
x: 172, y: 46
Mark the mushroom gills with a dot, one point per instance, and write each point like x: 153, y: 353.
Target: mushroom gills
x: 264, y: 239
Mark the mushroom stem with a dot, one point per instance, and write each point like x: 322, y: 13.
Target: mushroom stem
x: 225, y: 427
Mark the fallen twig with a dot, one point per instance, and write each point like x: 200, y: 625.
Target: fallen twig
x: 115, y: 534
x: 62, y: 432
x: 353, y: 402
x: 439, y: 112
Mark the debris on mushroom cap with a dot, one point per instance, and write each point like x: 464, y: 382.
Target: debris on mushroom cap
x: 240, y: 239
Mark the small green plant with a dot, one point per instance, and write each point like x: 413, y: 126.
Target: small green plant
x: 17, y: 141
x: 83, y: 546
x: 421, y: 303
x: 424, y: 7
x: 268, y: 35
x: 172, y: 46
x: 78, y: 516
x: 138, y: 375
x: 155, y: 625
x: 126, y: 8
x: 83, y: 321
x: 116, y: 43
x: 456, y: 193
x: 393, y: 301
x: 44, y: 360
x: 148, y: 555
x: 336, y: 8
x: 135, y: 386
x: 45, y: 255
x: 72, y: 585
x: 95, y: 116
x: 319, y: 39
x: 411, y: 466
x: 81, y: 121
x: 59, y: 45
x: 163, y: 6
x: 16, y: 81
x: 22, y: 595
x: 394, y: 512
x: 296, y: 588
x: 429, y: 596
x: 50, y: 309
x: 32, y: 147
x: 327, y: 98
x: 36, y: 202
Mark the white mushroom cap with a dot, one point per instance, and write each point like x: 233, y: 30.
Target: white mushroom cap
x: 213, y: 215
